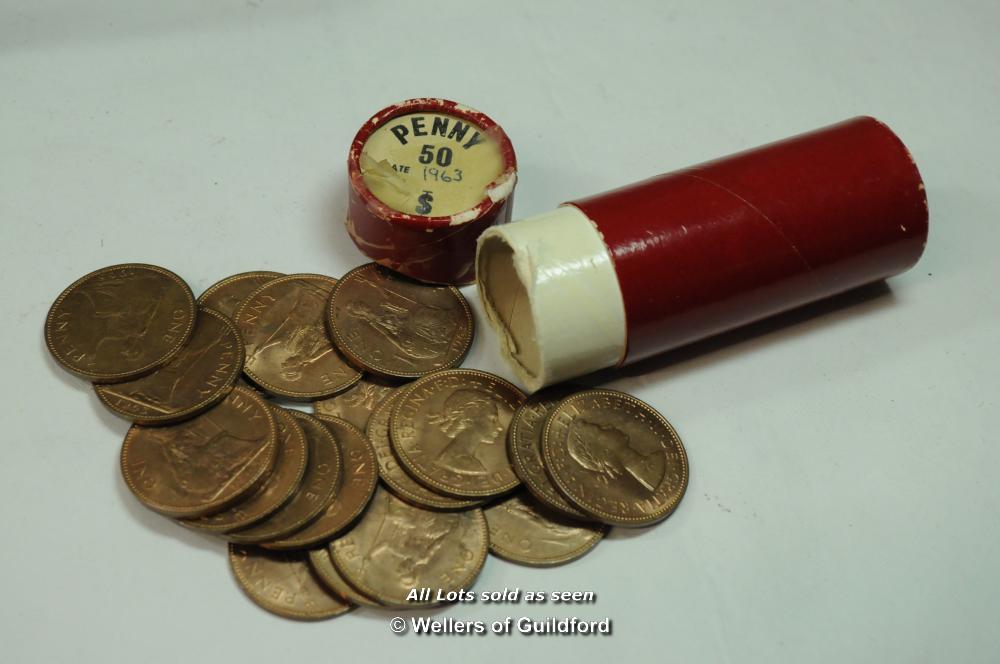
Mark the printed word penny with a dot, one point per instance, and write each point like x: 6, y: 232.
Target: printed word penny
x: 283, y: 583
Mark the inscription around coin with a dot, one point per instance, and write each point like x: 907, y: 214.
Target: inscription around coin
x: 283, y: 583
x: 204, y: 464
x: 198, y: 377
x: 395, y: 326
x: 120, y: 322
x: 288, y: 351
x: 522, y: 530
x: 397, y: 547
x: 615, y: 457
x: 449, y: 431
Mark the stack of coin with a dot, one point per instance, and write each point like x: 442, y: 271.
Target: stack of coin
x: 467, y: 463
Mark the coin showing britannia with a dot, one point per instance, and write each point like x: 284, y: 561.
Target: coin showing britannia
x: 395, y: 326
x: 288, y: 351
x: 205, y: 464
x: 120, y: 322
x: 397, y: 547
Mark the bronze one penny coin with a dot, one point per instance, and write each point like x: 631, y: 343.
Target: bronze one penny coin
x: 227, y: 295
x: 395, y: 478
x: 356, y: 403
x: 357, y: 483
x: 523, y: 530
x: 283, y: 583
x: 319, y: 485
x: 397, y: 547
x: 120, y: 322
x: 322, y: 566
x: 277, y: 489
x: 205, y: 464
x: 449, y: 431
x: 288, y: 351
x: 615, y: 457
x: 395, y: 326
x: 524, y: 447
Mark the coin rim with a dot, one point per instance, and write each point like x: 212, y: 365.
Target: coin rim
x: 195, y: 524
x: 351, y: 594
x: 288, y: 394
x: 517, y: 462
x: 425, y: 479
x: 478, y: 567
x: 237, y: 536
x: 392, y: 485
x: 500, y: 552
x: 342, y: 345
x: 613, y: 519
x: 245, y: 585
x: 173, y: 511
x: 290, y: 541
x: 222, y: 283
x: 120, y: 376
x: 190, y: 411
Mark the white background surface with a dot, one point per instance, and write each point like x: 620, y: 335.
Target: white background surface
x: 843, y: 502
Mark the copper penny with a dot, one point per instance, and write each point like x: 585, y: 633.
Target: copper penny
x: 288, y: 351
x: 205, y: 464
x: 357, y: 483
x: 392, y: 473
x: 449, y: 431
x: 524, y: 447
x: 277, y: 489
x: 283, y: 583
x: 395, y: 326
x: 199, y: 376
x: 615, y: 457
x: 522, y: 530
x: 397, y: 547
x: 356, y: 403
x: 319, y: 485
x: 120, y: 322
x: 322, y: 566
x: 227, y: 295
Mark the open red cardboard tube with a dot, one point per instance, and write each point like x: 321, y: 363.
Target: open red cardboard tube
x: 617, y: 277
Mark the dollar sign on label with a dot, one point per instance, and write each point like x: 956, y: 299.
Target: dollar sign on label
x: 424, y: 202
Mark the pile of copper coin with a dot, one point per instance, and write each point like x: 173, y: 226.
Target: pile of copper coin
x: 467, y: 463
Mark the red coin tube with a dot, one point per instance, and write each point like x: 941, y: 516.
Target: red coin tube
x: 427, y: 177
x: 614, y: 278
